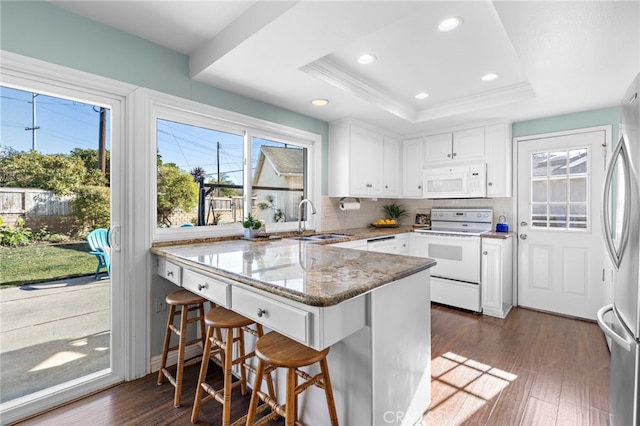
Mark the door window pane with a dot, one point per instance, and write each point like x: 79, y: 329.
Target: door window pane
x: 578, y: 190
x: 558, y: 163
x: 539, y: 191
x: 557, y: 215
x: 539, y: 217
x: 55, y: 309
x: 539, y: 164
x: 559, y: 189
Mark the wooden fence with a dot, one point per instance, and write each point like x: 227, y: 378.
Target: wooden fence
x: 38, y: 208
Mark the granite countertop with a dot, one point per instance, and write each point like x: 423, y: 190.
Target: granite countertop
x: 308, y: 272
x: 498, y: 235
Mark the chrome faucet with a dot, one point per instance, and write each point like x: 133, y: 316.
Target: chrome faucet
x: 301, y: 228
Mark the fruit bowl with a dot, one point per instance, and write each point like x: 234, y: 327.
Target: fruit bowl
x: 390, y: 225
x: 385, y: 224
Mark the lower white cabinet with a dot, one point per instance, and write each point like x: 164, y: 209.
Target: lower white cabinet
x: 497, y: 276
x: 393, y: 244
x: 211, y: 288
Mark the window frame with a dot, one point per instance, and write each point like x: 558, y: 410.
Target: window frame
x: 548, y: 178
x: 167, y: 107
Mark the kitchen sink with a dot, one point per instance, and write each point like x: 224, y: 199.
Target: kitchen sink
x: 320, y: 237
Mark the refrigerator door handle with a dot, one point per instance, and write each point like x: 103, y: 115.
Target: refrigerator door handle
x: 620, y: 153
x: 620, y: 341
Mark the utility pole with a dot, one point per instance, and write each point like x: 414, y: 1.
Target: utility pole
x: 102, y: 148
x: 218, y: 162
x: 33, y: 127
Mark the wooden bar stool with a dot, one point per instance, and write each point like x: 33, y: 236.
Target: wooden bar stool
x: 187, y: 302
x: 273, y: 351
x: 235, y: 325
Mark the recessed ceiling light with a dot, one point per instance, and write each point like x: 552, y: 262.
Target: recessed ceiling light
x: 449, y: 24
x: 367, y: 58
x: 489, y: 77
x: 320, y: 102
x: 422, y: 95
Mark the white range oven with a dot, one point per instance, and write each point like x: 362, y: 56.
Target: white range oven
x: 454, y: 242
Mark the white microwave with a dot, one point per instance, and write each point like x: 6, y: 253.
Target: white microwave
x: 455, y: 182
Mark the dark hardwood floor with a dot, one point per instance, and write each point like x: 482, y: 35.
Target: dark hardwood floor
x: 531, y: 369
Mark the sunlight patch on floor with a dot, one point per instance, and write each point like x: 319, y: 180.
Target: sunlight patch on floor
x: 461, y: 386
x: 58, y: 359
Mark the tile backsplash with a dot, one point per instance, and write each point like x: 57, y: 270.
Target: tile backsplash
x: 371, y: 210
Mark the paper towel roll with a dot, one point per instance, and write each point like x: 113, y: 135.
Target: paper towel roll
x: 349, y: 205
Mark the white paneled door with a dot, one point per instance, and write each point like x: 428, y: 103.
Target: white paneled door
x: 560, y: 248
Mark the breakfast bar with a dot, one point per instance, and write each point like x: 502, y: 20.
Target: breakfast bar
x: 371, y: 309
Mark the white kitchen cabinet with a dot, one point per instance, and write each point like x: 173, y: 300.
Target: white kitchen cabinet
x: 355, y: 244
x: 412, y: 167
x: 392, y: 244
x: 499, y: 161
x: 363, y: 162
x: 170, y: 271
x: 418, y: 244
x: 390, y: 167
x: 460, y: 145
x: 496, y: 277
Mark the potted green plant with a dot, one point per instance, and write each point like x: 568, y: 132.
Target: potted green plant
x: 394, y: 211
x: 251, y: 226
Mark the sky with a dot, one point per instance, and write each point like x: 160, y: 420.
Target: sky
x: 65, y: 125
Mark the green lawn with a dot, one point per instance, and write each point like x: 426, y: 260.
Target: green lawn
x: 41, y: 263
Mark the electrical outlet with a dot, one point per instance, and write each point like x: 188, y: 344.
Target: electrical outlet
x: 161, y: 304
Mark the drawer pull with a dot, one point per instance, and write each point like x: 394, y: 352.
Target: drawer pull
x: 203, y: 286
x: 261, y: 312
x: 169, y: 273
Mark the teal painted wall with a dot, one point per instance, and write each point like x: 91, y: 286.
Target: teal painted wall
x: 44, y: 31
x: 577, y: 120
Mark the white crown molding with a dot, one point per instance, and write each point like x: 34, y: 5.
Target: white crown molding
x: 331, y: 73
x: 480, y: 101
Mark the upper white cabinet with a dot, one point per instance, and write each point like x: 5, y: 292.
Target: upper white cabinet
x: 363, y: 162
x: 412, y: 167
x: 499, y: 162
x: 460, y: 145
x: 390, y: 165
x: 490, y: 144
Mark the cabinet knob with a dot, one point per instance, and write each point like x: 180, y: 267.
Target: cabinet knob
x: 448, y: 155
x: 170, y: 273
x: 485, y: 252
x: 386, y: 187
x: 203, y: 286
x: 454, y: 154
x: 490, y: 184
x: 261, y: 312
x: 419, y: 186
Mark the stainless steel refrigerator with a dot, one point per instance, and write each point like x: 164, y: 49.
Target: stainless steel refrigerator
x: 620, y: 321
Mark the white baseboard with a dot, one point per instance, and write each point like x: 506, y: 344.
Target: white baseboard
x: 190, y: 351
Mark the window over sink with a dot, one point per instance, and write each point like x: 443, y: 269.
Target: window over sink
x: 213, y: 171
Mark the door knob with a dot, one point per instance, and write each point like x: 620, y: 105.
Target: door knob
x: 523, y: 223
x: 523, y: 236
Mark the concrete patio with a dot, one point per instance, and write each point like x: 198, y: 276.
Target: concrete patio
x: 51, y: 333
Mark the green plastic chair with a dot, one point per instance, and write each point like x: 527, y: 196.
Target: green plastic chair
x: 98, y: 240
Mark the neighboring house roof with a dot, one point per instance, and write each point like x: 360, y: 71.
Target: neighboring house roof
x: 284, y: 161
